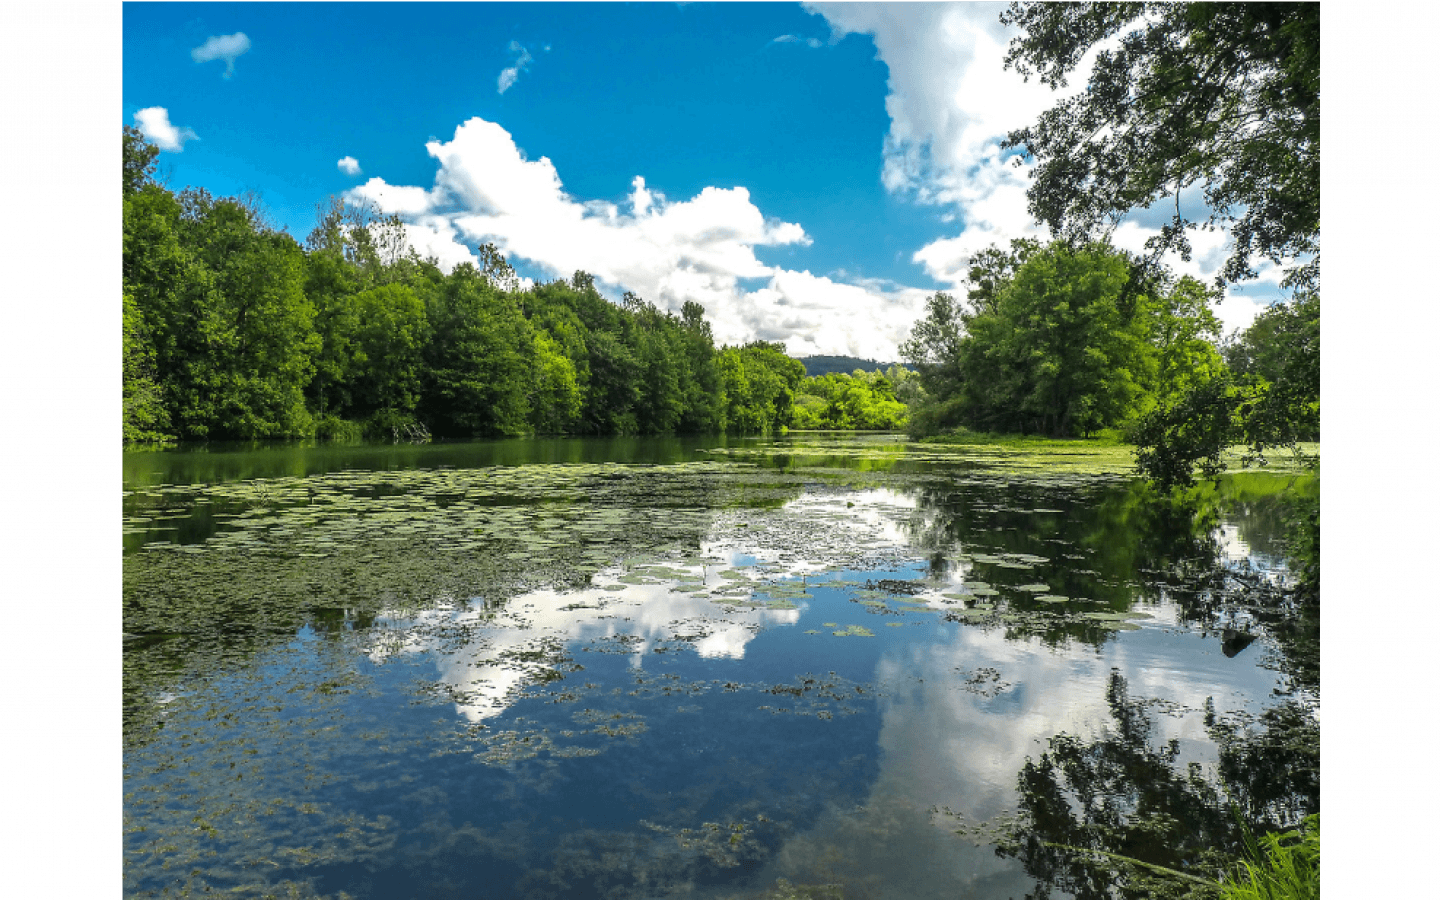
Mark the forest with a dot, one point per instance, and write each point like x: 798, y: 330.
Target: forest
x: 234, y: 331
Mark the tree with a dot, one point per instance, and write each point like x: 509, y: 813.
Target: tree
x: 704, y: 401
x: 760, y: 385
x: 1281, y: 349
x: 137, y: 161
x: 554, y: 396
x: 1223, y: 95
x: 479, y: 361
x: 255, y: 326
x: 145, y: 418
x: 389, y: 338
x: 1186, y: 331
x: 1056, y: 352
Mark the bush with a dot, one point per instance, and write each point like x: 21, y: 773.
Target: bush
x: 338, y: 430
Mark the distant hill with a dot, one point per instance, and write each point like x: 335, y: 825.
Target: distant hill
x: 824, y: 365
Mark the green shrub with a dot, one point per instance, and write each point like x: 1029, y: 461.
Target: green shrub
x: 338, y: 430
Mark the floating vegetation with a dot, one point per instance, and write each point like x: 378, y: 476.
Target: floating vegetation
x: 588, y: 678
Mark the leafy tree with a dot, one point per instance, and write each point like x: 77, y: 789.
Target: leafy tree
x: 863, y: 400
x: 389, y: 339
x: 1186, y: 332
x: 1056, y: 352
x: 1192, y: 429
x: 614, y: 389
x: 138, y: 161
x: 331, y: 283
x: 992, y: 268
x: 145, y: 418
x: 1223, y: 95
x: 704, y: 408
x: 375, y: 246
x: 554, y: 398
x: 760, y: 384
x: 1281, y: 349
x: 933, y: 348
x: 256, y: 325
x: 479, y: 361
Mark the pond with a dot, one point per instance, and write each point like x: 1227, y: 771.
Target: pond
x: 813, y: 666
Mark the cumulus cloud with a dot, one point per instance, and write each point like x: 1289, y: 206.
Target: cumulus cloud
x: 349, y: 165
x: 487, y: 190
x: 224, y: 46
x: 154, y: 123
x: 951, y: 102
x: 509, y: 75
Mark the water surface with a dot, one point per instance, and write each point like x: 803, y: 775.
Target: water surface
x: 816, y: 666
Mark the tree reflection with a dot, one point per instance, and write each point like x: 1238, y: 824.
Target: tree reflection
x: 1104, y: 818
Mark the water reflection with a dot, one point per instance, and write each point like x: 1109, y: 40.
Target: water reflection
x: 704, y: 679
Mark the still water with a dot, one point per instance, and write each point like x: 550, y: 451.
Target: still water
x: 805, y: 667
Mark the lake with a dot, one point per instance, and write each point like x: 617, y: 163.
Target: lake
x: 810, y: 666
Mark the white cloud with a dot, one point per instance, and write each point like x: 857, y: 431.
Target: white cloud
x: 154, y: 123
x: 951, y: 103
x: 812, y: 43
x: 225, y: 46
x: 349, y: 165
x: 668, y: 251
x: 522, y: 63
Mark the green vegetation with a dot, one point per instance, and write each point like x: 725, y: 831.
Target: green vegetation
x: 1060, y: 341
x: 1224, y: 97
x: 233, y: 331
x: 870, y: 401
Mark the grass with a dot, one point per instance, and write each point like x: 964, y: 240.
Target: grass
x: 1284, y: 866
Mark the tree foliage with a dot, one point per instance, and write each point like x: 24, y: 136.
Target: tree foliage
x: 233, y: 331
x: 1221, y: 95
x: 1054, y: 340
x: 866, y: 400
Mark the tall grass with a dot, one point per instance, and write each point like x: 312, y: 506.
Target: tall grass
x: 1284, y: 866
x: 1280, y: 866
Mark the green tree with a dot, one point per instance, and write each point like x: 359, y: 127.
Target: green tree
x: 389, y: 339
x: 479, y: 360
x: 1221, y: 95
x: 933, y: 347
x: 138, y: 161
x: 145, y: 418
x: 554, y: 398
x: 614, y: 387
x: 760, y: 385
x: 1186, y: 334
x: 704, y: 408
x: 256, y: 326
x: 1281, y: 349
x: 331, y: 283
x: 1058, y: 353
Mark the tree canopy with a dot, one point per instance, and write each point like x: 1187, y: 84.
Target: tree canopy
x: 232, y: 331
x: 1221, y: 95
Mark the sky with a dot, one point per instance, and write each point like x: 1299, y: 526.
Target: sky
x: 809, y: 173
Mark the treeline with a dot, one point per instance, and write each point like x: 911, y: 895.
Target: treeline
x: 816, y: 366
x: 1064, y: 341
x: 233, y: 330
x: 866, y: 400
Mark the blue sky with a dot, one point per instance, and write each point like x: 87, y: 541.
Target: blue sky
x: 809, y: 173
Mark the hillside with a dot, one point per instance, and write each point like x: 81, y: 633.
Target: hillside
x: 824, y: 365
